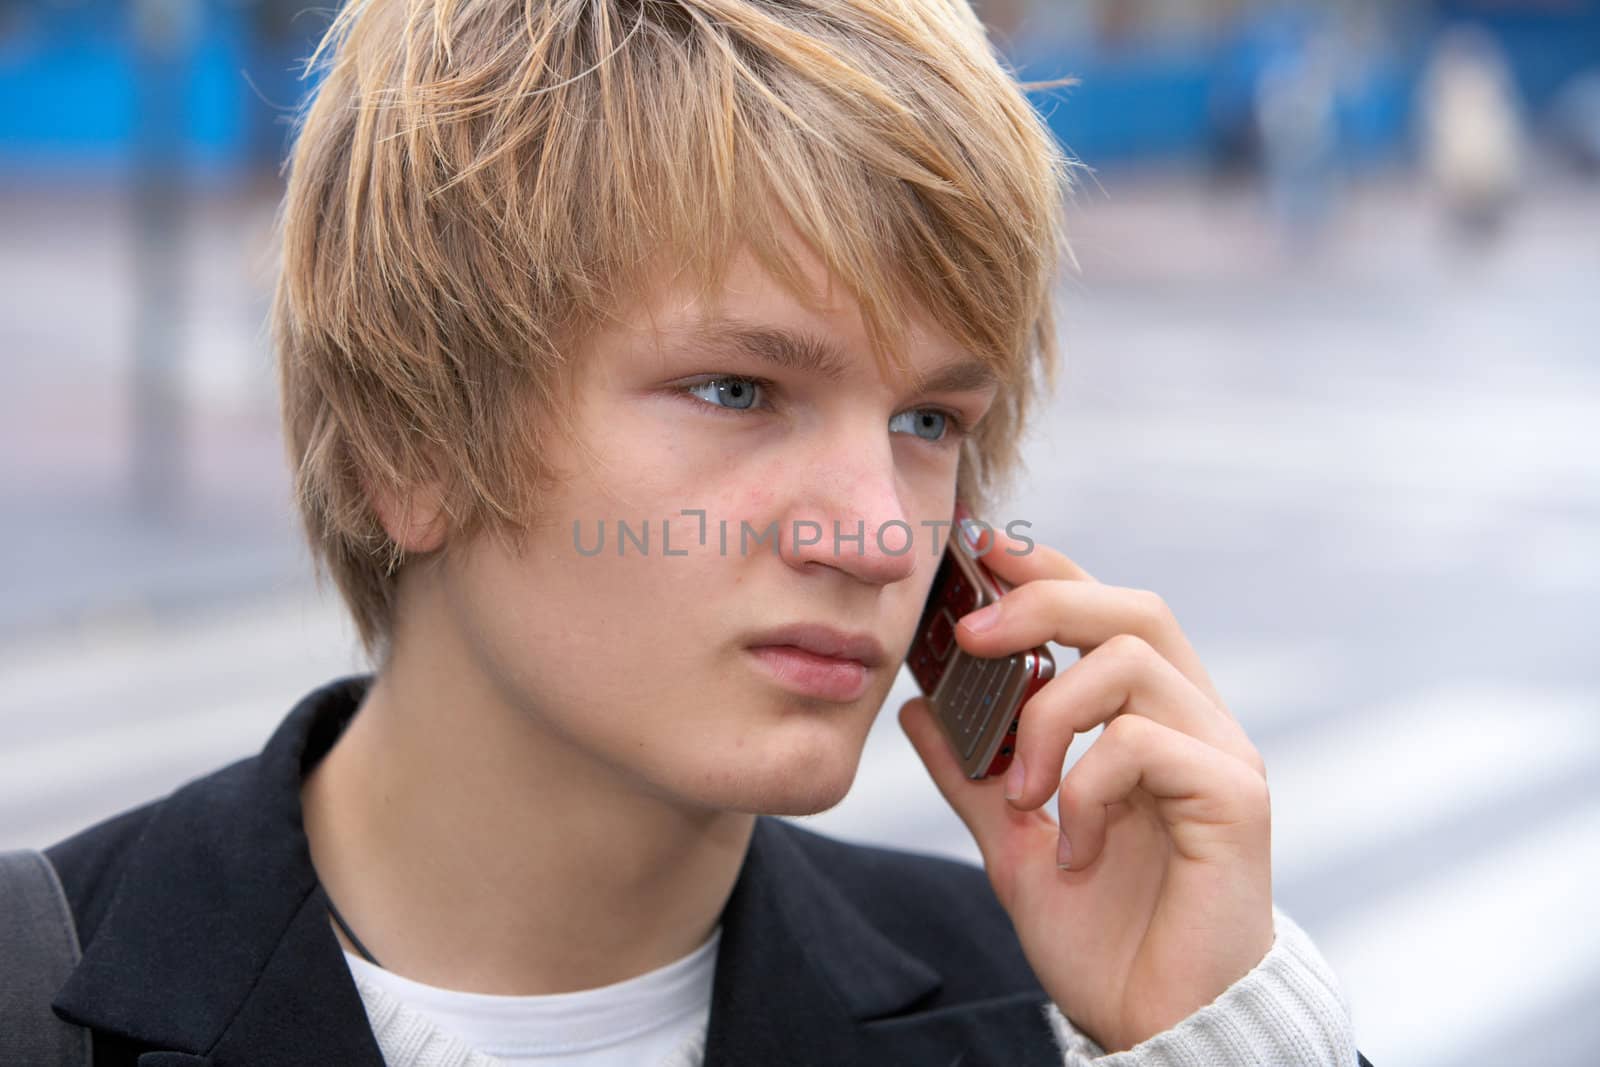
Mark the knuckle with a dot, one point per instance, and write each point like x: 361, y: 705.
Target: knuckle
x: 1254, y: 796
x: 1128, y: 648
x: 1126, y: 730
x: 1152, y: 608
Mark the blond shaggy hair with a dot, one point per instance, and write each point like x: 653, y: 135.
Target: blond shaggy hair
x: 476, y: 185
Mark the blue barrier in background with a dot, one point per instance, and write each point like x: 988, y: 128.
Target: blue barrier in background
x: 69, y: 77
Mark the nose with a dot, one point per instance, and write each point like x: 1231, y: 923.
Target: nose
x: 849, y: 515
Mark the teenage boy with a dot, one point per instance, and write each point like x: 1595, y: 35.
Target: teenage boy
x: 554, y: 265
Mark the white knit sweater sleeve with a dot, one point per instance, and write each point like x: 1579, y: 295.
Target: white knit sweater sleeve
x: 1289, y: 1009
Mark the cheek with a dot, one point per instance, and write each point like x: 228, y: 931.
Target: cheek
x: 761, y: 490
x: 587, y: 642
x: 575, y: 603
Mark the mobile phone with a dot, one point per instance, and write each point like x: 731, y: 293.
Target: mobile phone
x: 977, y: 701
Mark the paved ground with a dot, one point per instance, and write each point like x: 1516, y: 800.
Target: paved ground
x: 1364, y: 476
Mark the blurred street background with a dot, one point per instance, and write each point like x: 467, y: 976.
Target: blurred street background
x: 1332, y: 388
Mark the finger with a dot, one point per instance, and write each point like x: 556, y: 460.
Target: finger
x: 1083, y: 615
x: 1123, y: 676
x: 1022, y: 559
x: 1212, y: 804
x: 994, y: 825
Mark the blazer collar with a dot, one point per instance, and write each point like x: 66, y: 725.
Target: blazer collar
x: 217, y: 945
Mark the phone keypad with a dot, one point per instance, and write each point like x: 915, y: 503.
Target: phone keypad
x: 975, y: 686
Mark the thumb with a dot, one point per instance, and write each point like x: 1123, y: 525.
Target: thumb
x: 980, y: 803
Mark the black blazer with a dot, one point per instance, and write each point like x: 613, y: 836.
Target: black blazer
x: 206, y: 939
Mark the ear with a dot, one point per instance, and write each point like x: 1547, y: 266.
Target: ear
x: 416, y: 521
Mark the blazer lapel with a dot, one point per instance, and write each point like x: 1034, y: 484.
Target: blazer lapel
x: 217, y: 949
x: 804, y: 978
x: 305, y: 1008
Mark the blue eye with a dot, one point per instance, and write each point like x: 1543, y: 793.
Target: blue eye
x: 736, y: 393
x: 739, y: 393
x: 927, y: 423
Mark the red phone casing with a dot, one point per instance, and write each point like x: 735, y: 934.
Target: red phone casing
x: 977, y: 701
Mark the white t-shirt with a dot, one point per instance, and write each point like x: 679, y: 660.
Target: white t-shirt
x: 658, y: 1018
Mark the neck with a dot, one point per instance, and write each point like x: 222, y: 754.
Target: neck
x: 471, y: 849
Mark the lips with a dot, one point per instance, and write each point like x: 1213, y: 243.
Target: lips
x: 809, y: 675
x: 821, y: 640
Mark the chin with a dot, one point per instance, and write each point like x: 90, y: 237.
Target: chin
x: 790, y: 782
x: 806, y: 798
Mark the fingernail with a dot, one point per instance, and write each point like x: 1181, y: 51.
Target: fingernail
x: 1014, y: 779
x: 979, y: 621
x: 1064, y: 853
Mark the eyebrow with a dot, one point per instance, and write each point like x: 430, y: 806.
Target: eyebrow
x: 807, y: 353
